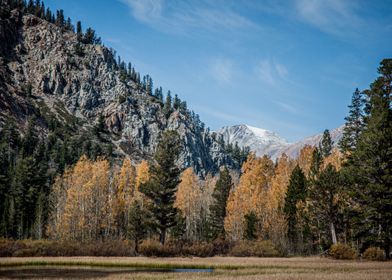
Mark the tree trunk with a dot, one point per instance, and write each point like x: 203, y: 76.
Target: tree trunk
x: 387, y: 250
x: 136, y: 246
x: 162, y: 236
x: 333, y: 233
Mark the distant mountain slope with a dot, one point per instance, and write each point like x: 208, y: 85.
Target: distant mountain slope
x: 49, y: 75
x: 264, y: 142
x: 294, y: 149
x: 259, y: 140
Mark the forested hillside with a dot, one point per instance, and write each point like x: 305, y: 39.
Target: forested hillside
x: 64, y: 95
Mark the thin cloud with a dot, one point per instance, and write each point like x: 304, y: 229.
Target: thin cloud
x: 222, y: 70
x: 334, y: 16
x: 146, y: 11
x: 180, y: 16
x: 271, y: 72
x: 290, y: 108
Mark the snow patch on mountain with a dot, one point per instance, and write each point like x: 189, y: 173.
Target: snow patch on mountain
x: 260, y: 141
x: 265, y: 142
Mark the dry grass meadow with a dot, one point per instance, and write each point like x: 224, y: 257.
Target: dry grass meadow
x: 224, y: 268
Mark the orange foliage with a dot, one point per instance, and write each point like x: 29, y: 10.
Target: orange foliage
x: 304, y: 159
x: 124, y: 192
x: 335, y: 159
x: 189, y: 200
x: 81, y: 198
x: 250, y: 195
x: 142, y: 174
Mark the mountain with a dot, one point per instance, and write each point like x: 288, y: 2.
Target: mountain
x: 75, y: 91
x: 259, y: 140
x: 294, y: 149
x: 264, y: 142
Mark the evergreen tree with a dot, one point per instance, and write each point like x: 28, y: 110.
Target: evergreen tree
x: 326, y: 144
x: 176, y: 102
x: 371, y: 166
x: 100, y: 126
x: 48, y: 15
x: 60, y: 18
x: 315, y: 165
x: 5, y: 181
x: 218, y: 207
x: 90, y: 37
x: 79, y: 32
x: 167, y: 107
x: 162, y: 186
x: 296, y: 191
x: 68, y: 24
x: 354, y: 123
x: 250, y: 226
x: 137, y: 228
x: 30, y: 140
x: 325, y: 195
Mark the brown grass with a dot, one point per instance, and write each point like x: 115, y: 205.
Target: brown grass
x: 231, y: 267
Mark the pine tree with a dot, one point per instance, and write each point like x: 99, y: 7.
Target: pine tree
x: 48, y: 15
x: 79, y: 32
x: 176, y: 102
x: 296, y: 192
x: 162, y: 185
x: 354, y: 123
x: 315, y: 165
x: 137, y: 227
x: 167, y: 108
x: 218, y: 208
x: 100, y: 125
x: 371, y: 166
x: 250, y: 226
x: 325, y: 196
x: 91, y: 38
x: 60, y: 18
x: 326, y: 144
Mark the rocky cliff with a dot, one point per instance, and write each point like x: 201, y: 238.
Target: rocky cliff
x: 45, y: 72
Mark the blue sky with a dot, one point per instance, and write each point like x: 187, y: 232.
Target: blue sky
x: 286, y: 66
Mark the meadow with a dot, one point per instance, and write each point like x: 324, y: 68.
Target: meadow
x: 223, y: 268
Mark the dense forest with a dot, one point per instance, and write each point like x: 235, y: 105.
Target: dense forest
x: 74, y: 190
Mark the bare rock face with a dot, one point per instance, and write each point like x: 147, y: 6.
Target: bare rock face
x: 83, y: 80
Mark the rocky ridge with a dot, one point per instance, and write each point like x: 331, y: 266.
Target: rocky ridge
x: 43, y: 69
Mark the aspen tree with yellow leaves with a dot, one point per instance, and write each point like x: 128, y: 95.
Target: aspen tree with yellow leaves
x: 275, y: 226
x: 124, y: 193
x: 189, y: 199
x: 81, y: 199
x: 249, y: 196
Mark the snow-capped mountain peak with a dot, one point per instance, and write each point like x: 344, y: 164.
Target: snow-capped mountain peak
x: 265, y: 142
x: 266, y: 135
x: 260, y: 141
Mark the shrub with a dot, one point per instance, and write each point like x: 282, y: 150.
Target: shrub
x: 342, y: 252
x: 374, y: 254
x: 152, y: 247
x: 201, y: 249
x: 222, y: 246
x: 36, y: 248
x: 260, y: 248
